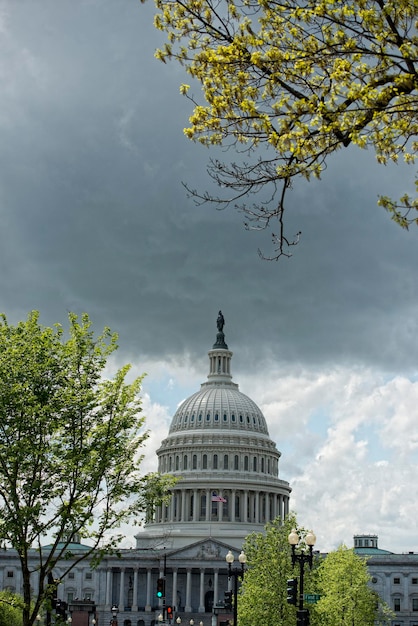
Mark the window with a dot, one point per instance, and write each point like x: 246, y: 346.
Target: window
x: 10, y: 574
x: 71, y: 575
x: 205, y: 461
x: 396, y: 581
x: 194, y: 461
x: 215, y: 461
x: 89, y: 575
x: 177, y: 463
x: 225, y: 461
x: 185, y: 462
x: 246, y: 463
x: 397, y: 604
x: 415, y: 604
x: 236, y: 462
x: 415, y: 581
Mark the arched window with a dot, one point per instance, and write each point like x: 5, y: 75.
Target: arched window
x: 262, y: 464
x: 246, y: 463
x: 215, y: 461
x: 185, y: 462
x: 194, y: 461
x: 236, y: 462
x: 205, y: 461
x: 177, y: 463
x: 225, y: 461
x: 255, y: 464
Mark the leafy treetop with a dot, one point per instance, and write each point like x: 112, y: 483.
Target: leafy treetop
x: 290, y: 82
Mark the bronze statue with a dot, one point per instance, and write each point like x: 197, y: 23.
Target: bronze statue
x: 220, y: 322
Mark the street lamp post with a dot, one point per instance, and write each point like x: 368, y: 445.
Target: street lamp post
x: 236, y: 573
x: 296, y: 541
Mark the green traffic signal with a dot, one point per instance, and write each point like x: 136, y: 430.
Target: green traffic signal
x: 160, y: 587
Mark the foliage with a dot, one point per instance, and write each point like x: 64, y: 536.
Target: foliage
x: 264, y: 589
x: 69, y: 441
x: 288, y: 83
x: 346, y: 598
x: 10, y: 609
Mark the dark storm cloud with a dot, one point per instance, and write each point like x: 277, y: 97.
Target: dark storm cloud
x: 94, y: 216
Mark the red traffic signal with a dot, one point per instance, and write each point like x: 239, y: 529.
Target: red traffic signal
x: 169, y: 612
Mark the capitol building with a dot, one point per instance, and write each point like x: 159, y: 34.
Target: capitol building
x: 218, y: 445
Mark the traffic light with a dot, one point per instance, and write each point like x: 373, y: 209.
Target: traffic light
x: 169, y: 613
x: 292, y: 591
x: 160, y: 588
x: 302, y: 618
x: 61, y: 608
x: 228, y: 595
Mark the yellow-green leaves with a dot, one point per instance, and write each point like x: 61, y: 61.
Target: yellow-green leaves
x: 301, y: 78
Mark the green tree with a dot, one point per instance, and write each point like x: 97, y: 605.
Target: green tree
x: 264, y: 590
x: 69, y: 448
x: 288, y: 84
x: 346, y: 598
x: 10, y: 609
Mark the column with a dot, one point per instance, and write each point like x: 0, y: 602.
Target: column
x: 183, y: 505
x: 208, y: 505
x: 188, y: 605
x: 195, y: 506
x: 108, y: 601
x: 232, y: 509
x: 121, y: 603
x: 135, y: 593
x: 202, y: 591
x: 215, y: 586
x: 148, y: 591
x: 174, y: 590
x: 257, y: 507
x: 172, y: 506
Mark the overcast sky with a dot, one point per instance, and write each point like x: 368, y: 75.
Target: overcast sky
x: 94, y: 218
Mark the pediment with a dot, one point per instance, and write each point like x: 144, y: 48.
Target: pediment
x: 204, y: 550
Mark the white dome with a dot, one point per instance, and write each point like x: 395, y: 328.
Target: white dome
x: 219, y: 406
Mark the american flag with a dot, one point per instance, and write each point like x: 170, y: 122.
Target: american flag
x: 216, y: 498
